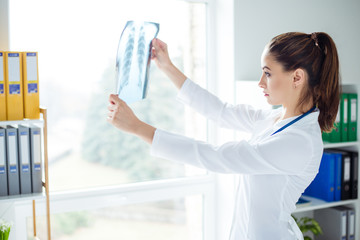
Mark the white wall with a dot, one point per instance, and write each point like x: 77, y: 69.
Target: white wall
x: 257, y: 21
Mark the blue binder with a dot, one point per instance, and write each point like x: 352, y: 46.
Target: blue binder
x: 345, y: 173
x: 338, y: 172
x: 323, y: 186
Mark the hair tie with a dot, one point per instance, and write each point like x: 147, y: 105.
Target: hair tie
x: 314, y: 37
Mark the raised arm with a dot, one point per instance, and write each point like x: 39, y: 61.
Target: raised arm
x: 161, y: 57
x: 286, y: 153
x: 240, y: 117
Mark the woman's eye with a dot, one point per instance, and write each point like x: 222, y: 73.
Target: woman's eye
x: 267, y: 74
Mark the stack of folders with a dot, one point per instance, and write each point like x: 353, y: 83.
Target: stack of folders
x: 345, y: 127
x: 20, y: 160
x: 337, y: 223
x: 19, y: 86
x: 337, y: 178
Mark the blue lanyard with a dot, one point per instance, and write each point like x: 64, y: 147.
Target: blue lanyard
x: 295, y: 120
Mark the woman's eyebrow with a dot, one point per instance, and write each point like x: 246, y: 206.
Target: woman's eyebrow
x: 266, y: 67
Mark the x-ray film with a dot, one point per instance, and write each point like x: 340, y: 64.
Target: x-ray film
x: 133, y: 60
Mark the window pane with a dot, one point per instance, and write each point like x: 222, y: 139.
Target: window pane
x: 178, y: 219
x: 77, y: 44
x: 249, y: 92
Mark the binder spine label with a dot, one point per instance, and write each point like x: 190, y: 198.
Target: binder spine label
x: 1, y: 88
x: 32, y: 69
x: 2, y: 157
x: 37, y: 167
x: 13, y: 168
x: 13, y: 55
x: 37, y: 150
x: 347, y: 169
x: 353, y: 110
x: 1, y: 68
x: 14, y: 88
x: 14, y: 68
x: 345, y: 110
x: 343, y: 225
x: 25, y: 168
x: 31, y: 54
x: 2, y: 144
x: 32, y: 88
x: 337, y: 120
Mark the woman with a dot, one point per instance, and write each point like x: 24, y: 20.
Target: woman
x: 300, y: 72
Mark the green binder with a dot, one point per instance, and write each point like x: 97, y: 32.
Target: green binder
x: 335, y: 135
x: 352, y: 117
x: 344, y: 123
x: 325, y: 136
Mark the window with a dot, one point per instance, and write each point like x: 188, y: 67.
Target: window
x: 77, y: 44
x: 93, y: 166
x: 175, y: 219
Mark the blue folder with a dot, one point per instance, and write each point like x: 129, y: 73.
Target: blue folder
x: 324, y: 184
x: 338, y: 172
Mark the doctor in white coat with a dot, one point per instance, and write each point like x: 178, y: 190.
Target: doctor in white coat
x: 300, y: 72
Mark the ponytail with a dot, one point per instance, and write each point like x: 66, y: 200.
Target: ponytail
x: 329, y: 90
x: 315, y: 53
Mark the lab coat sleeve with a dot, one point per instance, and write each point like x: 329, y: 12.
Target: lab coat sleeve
x: 284, y: 153
x: 240, y: 117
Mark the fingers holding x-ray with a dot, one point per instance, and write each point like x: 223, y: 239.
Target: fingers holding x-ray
x: 133, y: 60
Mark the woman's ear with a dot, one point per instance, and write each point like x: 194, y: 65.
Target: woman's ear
x: 299, y: 77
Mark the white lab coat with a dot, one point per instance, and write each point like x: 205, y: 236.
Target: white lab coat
x: 274, y: 170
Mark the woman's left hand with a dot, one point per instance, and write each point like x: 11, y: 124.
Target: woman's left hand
x: 121, y: 116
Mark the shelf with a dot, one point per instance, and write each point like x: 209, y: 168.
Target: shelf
x: 22, y: 197
x: 42, y: 122
x: 340, y: 145
x: 22, y: 122
x: 320, y: 204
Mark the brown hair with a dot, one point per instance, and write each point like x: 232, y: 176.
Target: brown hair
x: 316, y: 54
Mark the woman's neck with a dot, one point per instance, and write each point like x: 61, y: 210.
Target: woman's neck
x: 289, y: 111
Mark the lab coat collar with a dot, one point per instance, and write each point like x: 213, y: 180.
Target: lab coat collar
x: 307, y: 119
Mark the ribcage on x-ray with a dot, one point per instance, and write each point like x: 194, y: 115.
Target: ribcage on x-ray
x: 133, y: 60
x: 127, y: 59
x: 141, y: 54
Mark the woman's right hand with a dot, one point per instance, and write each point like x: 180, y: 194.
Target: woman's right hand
x: 160, y: 54
x: 161, y: 57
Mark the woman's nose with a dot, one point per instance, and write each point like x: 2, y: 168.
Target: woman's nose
x: 261, y: 83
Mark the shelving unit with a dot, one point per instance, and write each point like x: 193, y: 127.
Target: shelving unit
x: 320, y: 204
x: 45, y: 183
x: 317, y: 204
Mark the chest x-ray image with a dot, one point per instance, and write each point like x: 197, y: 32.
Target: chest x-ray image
x: 133, y: 60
